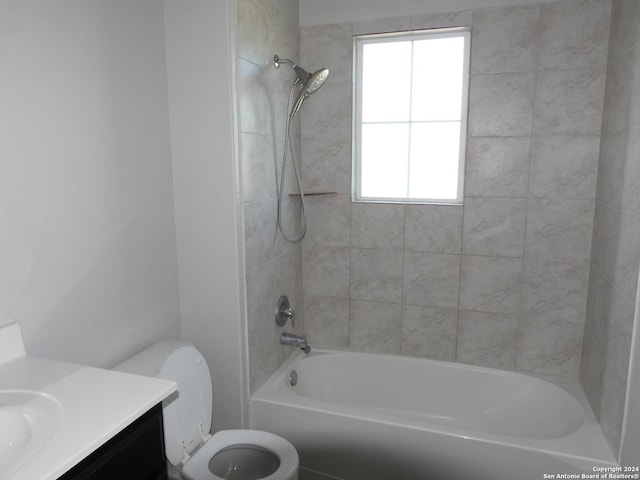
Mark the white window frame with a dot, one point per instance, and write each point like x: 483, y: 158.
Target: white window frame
x: 358, y: 43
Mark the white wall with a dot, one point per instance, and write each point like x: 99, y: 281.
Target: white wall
x: 199, y: 35
x: 322, y: 12
x: 87, y: 243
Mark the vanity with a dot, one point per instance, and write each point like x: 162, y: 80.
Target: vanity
x: 64, y: 421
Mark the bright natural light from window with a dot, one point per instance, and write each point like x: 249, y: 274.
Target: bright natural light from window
x: 410, y: 123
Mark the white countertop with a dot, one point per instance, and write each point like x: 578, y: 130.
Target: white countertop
x: 96, y: 405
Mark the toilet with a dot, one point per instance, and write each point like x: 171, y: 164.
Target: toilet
x: 192, y: 452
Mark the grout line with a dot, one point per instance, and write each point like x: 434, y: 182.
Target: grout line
x: 402, y: 272
x: 528, y: 192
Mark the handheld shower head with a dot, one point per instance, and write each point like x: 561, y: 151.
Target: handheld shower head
x: 311, y: 82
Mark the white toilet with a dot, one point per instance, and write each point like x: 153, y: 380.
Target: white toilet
x: 194, y: 453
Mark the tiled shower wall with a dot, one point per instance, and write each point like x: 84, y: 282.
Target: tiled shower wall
x: 615, y: 254
x: 501, y: 281
x: 272, y: 266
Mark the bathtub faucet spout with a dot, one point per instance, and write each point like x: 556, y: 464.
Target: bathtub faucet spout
x: 295, y: 341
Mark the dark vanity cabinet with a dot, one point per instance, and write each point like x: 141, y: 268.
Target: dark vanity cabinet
x: 136, y: 453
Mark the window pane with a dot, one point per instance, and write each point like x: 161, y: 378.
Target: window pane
x: 386, y: 77
x: 435, y: 151
x: 411, y: 116
x: 437, y: 79
x: 384, y: 160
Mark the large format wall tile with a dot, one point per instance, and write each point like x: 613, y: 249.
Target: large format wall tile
x: 559, y: 229
x: 258, y: 179
x: 328, y: 220
x: 564, y: 167
x: 263, y: 30
x: 501, y: 104
x: 376, y: 275
x: 327, y: 113
x: 497, y: 167
x: 327, y: 165
x: 614, y: 386
x: 328, y: 46
x: 377, y: 226
x: 555, y: 290
x: 549, y: 347
x: 433, y: 228
x: 327, y: 321
x: 326, y: 271
x: 613, y: 148
x: 287, y: 283
x: 487, y: 339
x: 441, y: 20
x: 594, y: 344
x: 618, y: 95
x: 626, y: 31
x: 606, y: 233
x: 260, y: 295
x: 429, y: 332
x: 431, y: 280
x: 494, y: 226
x: 383, y: 25
x: 569, y: 102
x: 375, y: 326
x: 574, y: 34
x: 628, y: 253
x: 490, y: 284
x: 505, y: 40
x: 272, y: 265
x: 260, y: 231
x: 614, y: 254
x: 631, y: 180
x: 619, y: 340
x: 534, y: 115
x: 254, y: 103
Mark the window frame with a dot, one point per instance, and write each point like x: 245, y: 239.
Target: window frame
x: 358, y: 42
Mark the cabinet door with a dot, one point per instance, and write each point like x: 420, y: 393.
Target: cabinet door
x: 136, y: 453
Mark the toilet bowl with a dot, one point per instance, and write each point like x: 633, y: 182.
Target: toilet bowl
x: 243, y: 454
x: 190, y: 448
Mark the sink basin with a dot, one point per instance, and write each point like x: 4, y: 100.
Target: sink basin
x: 28, y: 420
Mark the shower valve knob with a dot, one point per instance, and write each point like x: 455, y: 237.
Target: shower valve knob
x: 284, y: 312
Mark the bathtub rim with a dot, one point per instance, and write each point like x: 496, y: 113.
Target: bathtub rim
x: 587, y: 443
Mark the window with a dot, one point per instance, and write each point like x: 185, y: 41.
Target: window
x: 411, y: 94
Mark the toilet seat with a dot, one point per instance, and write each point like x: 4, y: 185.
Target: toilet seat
x: 197, y: 467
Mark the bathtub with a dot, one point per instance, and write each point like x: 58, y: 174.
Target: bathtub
x: 359, y: 416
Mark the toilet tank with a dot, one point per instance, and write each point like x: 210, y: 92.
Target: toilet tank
x: 187, y: 413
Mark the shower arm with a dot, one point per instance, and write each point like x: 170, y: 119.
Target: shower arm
x: 301, y: 73
x: 277, y: 61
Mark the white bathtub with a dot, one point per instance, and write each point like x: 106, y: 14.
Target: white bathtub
x: 359, y: 416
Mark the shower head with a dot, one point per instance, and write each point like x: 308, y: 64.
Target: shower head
x: 311, y: 82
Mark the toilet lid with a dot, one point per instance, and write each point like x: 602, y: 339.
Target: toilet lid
x: 188, y: 421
